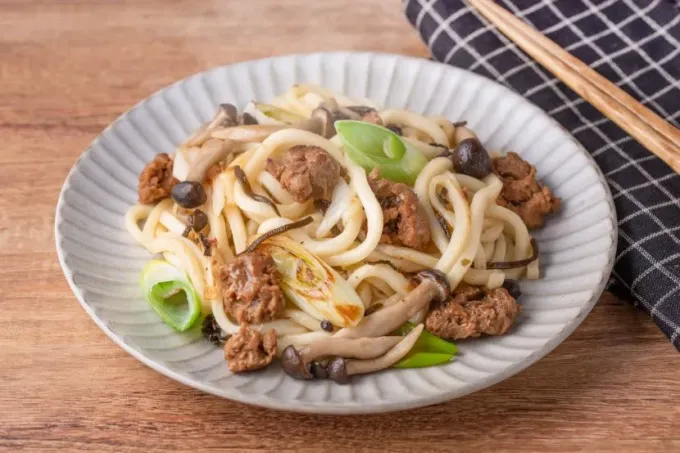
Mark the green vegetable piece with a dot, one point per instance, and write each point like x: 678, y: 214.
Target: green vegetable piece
x: 372, y: 146
x: 171, y: 295
x: 428, y: 342
x: 312, y: 285
x: 423, y: 359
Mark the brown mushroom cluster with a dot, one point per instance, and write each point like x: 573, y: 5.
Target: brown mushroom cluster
x: 367, y: 347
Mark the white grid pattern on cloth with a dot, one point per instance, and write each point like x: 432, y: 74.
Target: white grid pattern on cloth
x: 646, y: 64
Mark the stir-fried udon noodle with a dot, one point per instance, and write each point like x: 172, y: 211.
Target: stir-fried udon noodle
x: 336, y: 235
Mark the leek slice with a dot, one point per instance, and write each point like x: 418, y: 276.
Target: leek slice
x: 170, y: 294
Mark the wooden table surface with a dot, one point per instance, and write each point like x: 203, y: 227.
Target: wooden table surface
x: 67, y: 69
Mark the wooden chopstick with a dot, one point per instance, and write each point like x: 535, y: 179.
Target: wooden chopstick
x: 645, y: 126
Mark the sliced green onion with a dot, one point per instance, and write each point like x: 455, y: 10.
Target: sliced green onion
x: 428, y: 342
x: 423, y: 359
x: 372, y: 146
x: 170, y: 294
x: 312, y: 285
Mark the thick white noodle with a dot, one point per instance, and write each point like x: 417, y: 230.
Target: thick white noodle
x: 488, y: 251
x: 522, y: 248
x: 429, y: 151
x: 340, y: 202
x: 470, y: 183
x: 374, y: 218
x: 274, y: 187
x: 499, y: 249
x: 152, y: 221
x: 384, y: 272
x: 218, y: 230
x: 421, y: 188
x: 481, y: 200
x: 533, y: 270
x: 172, y: 223
x: 380, y: 285
x: 236, y: 226
x: 480, y: 259
x: 284, y: 139
x: 219, y: 195
x: 282, y: 326
x: 464, y: 230
x: 392, y: 300
x: 482, y: 277
x: 446, y: 126
x: 136, y: 214
x: 492, y: 233
x: 251, y: 227
x: 172, y: 259
x: 188, y: 253
x: 415, y: 121
x: 365, y: 293
x: 402, y: 265
x: 407, y: 254
x: 303, y: 319
x: 327, y: 248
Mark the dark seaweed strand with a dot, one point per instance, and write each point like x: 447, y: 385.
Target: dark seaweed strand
x: 322, y: 205
x: 275, y: 232
x: 443, y: 224
x: 207, y: 245
x: 389, y: 263
x: 459, y: 124
x: 519, y: 263
x: 186, y: 231
x: 241, y: 177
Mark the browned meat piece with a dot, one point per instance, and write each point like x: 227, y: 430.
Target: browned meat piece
x: 249, y: 350
x: 249, y: 289
x: 405, y: 223
x: 522, y: 193
x: 156, y: 180
x: 307, y: 172
x: 473, y: 311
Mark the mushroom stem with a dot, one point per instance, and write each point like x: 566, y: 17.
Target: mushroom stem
x: 356, y: 348
x: 388, y: 319
x: 390, y: 358
x: 249, y: 133
x: 340, y: 369
x: 213, y: 151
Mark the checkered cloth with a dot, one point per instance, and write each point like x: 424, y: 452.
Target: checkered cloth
x: 633, y: 43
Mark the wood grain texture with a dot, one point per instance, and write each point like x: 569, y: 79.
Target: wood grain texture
x: 67, y: 69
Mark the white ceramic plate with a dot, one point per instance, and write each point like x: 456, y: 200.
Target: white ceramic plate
x: 102, y: 262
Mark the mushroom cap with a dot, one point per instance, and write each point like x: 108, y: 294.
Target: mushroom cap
x: 337, y: 370
x: 189, y: 194
x: 439, y: 278
x: 230, y: 111
x: 327, y: 121
x: 293, y: 365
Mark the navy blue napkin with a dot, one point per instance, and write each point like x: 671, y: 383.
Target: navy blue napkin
x: 636, y: 45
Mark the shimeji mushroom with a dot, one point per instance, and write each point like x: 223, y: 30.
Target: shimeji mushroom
x: 340, y: 369
x: 216, y: 145
x: 298, y: 363
x: 433, y: 286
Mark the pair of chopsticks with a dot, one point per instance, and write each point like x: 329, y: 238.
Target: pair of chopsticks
x: 645, y: 126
